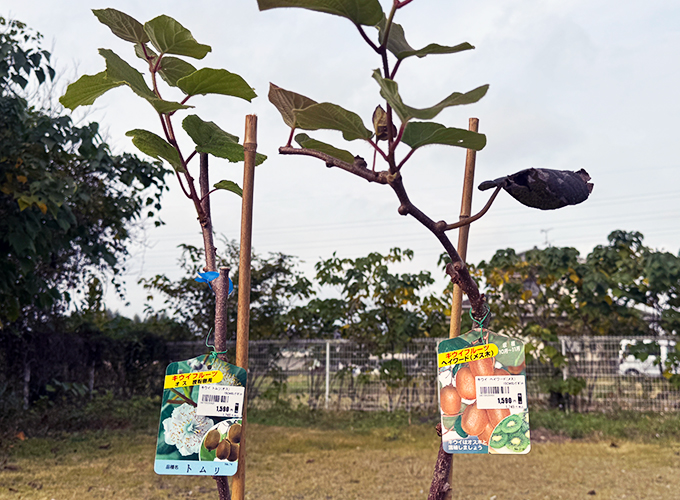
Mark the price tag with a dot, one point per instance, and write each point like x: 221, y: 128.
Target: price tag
x: 501, y: 392
x: 220, y: 401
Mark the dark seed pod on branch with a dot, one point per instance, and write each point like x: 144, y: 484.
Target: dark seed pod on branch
x: 545, y: 188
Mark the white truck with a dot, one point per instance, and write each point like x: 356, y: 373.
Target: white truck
x: 657, y: 350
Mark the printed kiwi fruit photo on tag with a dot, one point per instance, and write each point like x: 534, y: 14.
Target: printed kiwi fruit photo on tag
x: 482, y: 394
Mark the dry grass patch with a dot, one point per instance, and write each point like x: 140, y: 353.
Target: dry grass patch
x: 297, y: 464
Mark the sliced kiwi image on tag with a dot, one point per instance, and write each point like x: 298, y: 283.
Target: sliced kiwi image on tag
x: 498, y: 440
x: 517, y: 443
x: 511, y: 424
x: 511, y: 433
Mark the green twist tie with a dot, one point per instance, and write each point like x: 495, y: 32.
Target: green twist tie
x: 213, y: 355
x: 480, y: 323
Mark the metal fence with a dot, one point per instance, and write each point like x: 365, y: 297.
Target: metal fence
x: 342, y: 375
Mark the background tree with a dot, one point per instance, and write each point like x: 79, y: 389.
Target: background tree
x: 276, y: 287
x: 66, y: 203
x: 67, y: 211
x: 623, y: 288
x: 381, y: 309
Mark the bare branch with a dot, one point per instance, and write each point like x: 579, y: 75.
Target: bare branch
x: 358, y: 168
x: 402, y: 162
x: 468, y: 220
x: 368, y: 40
x: 394, y: 70
x: 193, y: 153
x: 456, y: 269
x: 377, y: 149
x: 181, y: 184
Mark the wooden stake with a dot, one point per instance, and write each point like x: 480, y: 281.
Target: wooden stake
x: 243, y: 320
x: 465, y: 212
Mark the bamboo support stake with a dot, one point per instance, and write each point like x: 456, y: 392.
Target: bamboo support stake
x: 243, y: 319
x: 463, y: 231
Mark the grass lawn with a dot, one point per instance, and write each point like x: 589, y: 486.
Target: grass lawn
x: 353, y: 462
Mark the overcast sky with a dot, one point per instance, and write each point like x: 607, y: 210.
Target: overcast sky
x: 573, y: 84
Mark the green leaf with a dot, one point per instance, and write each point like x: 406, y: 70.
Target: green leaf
x: 390, y: 92
x: 419, y: 134
x: 308, y: 143
x: 229, y: 186
x: 287, y: 101
x: 173, y: 68
x: 118, y: 70
x: 167, y: 106
x: 398, y: 45
x: 366, y: 12
x: 332, y: 117
x: 122, y: 25
x: 170, y: 37
x: 156, y: 147
x: 397, y: 42
x: 216, y: 81
x: 86, y: 89
x: 211, y: 139
x: 139, y: 52
x: 435, y: 48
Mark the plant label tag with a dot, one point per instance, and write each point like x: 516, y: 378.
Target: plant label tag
x: 199, y: 433
x: 483, y: 394
x: 495, y: 392
x: 220, y: 401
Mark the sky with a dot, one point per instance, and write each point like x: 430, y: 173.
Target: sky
x: 574, y: 84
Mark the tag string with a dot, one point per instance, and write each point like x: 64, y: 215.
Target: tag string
x: 480, y: 324
x: 214, y: 353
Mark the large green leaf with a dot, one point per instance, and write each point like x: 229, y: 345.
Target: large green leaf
x: 86, y: 89
x: 118, y: 70
x: 366, y: 12
x: 229, y: 186
x: 287, y: 101
x: 156, y: 147
x: 390, y: 92
x: 216, y: 81
x: 170, y: 37
x: 398, y: 45
x: 122, y: 25
x: 308, y: 143
x: 173, y: 68
x: 211, y: 139
x: 419, y: 134
x: 332, y: 117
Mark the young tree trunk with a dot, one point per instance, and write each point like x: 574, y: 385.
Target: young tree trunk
x: 219, y: 285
